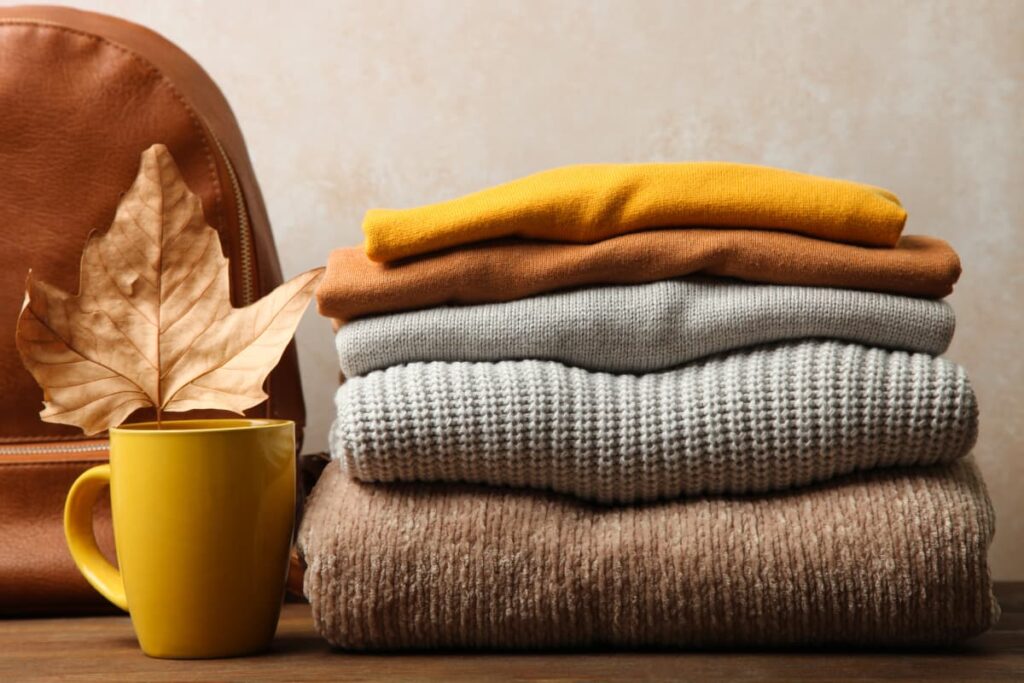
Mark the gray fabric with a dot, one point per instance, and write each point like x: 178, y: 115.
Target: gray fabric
x: 757, y: 420
x: 640, y: 328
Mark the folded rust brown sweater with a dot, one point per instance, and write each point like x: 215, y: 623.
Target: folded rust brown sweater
x: 894, y: 557
x: 505, y: 270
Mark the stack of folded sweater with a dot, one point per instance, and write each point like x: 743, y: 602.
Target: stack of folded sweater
x: 648, y: 405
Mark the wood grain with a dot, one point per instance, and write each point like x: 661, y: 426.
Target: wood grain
x: 104, y: 649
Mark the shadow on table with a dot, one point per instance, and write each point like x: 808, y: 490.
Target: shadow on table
x: 967, y: 649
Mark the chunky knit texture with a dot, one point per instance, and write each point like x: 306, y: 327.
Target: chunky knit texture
x: 591, y: 202
x: 354, y: 286
x: 888, y: 558
x: 641, y: 328
x: 758, y: 420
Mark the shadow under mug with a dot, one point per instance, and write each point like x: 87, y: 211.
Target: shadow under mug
x: 203, y: 515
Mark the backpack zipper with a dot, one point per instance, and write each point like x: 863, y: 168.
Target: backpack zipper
x: 245, y: 245
x: 55, y: 447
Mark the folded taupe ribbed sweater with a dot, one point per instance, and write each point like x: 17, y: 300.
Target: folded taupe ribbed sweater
x: 762, y: 419
x: 889, y: 558
x: 640, y: 328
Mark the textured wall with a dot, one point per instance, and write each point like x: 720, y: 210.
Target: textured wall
x: 348, y: 105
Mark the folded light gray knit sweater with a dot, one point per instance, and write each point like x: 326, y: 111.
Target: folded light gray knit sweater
x: 640, y: 328
x: 762, y: 419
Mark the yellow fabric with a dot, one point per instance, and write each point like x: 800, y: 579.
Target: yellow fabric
x: 590, y: 203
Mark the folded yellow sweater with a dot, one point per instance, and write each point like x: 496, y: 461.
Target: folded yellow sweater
x: 589, y: 203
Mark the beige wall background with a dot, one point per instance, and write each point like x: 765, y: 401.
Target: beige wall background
x: 348, y: 105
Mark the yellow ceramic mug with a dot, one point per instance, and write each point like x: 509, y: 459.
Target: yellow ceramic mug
x: 203, y: 514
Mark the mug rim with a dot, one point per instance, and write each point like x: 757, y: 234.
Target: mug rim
x: 201, y: 426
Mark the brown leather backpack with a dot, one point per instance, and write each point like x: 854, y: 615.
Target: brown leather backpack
x: 81, y: 96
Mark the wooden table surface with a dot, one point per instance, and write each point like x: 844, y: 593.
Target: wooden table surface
x: 104, y: 649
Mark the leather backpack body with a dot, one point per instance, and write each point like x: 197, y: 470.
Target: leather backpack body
x: 81, y: 96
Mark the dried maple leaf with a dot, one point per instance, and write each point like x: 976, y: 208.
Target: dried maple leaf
x: 152, y: 323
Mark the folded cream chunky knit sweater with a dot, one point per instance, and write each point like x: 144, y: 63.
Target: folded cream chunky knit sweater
x: 640, y: 328
x: 757, y: 420
x: 889, y: 558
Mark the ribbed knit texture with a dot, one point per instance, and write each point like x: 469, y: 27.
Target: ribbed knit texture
x: 640, y: 328
x: 881, y: 559
x: 757, y: 420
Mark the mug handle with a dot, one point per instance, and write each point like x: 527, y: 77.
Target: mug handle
x: 103, y: 576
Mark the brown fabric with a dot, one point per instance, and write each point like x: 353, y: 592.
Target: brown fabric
x: 37, y: 575
x: 888, y: 558
x: 355, y: 286
x: 82, y: 96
